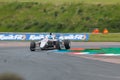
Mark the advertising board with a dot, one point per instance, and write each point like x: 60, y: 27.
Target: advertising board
x: 39, y: 36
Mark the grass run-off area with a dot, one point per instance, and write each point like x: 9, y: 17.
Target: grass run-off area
x: 68, y: 1
x: 111, y: 37
x: 61, y: 16
x: 67, y: 18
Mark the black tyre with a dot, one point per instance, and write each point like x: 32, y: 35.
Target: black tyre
x: 58, y: 45
x: 67, y: 44
x: 32, y: 46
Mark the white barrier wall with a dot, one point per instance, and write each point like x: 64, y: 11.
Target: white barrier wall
x: 38, y: 36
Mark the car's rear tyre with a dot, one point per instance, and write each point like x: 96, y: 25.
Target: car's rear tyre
x: 58, y: 45
x: 67, y: 44
x: 32, y: 46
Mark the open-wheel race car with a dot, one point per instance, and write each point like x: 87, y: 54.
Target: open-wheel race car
x: 49, y: 44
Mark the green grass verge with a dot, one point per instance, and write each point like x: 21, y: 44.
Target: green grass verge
x: 67, y: 1
x: 111, y: 37
x: 75, y: 18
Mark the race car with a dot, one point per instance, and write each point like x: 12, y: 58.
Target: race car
x: 50, y: 43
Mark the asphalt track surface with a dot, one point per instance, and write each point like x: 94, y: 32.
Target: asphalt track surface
x: 48, y: 65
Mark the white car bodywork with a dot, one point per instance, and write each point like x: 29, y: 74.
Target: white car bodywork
x: 52, y: 43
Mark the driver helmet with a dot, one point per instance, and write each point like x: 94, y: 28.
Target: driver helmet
x: 50, y: 33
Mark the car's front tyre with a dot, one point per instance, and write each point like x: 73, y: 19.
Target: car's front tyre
x: 67, y: 44
x: 32, y: 46
x: 58, y: 45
